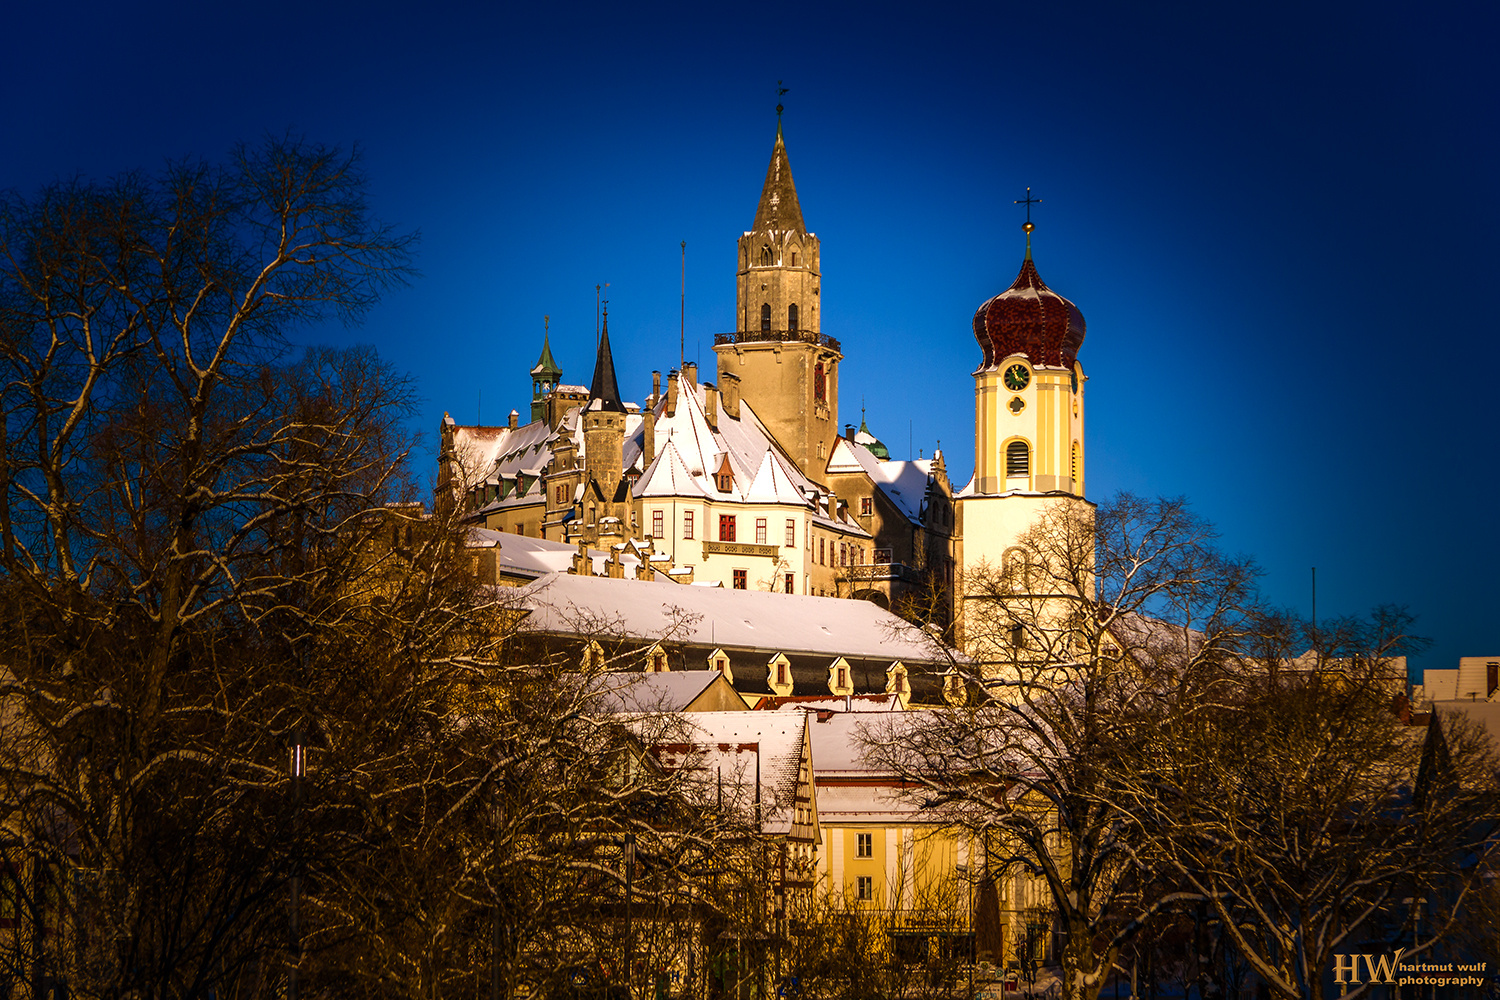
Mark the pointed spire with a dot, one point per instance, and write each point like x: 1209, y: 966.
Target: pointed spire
x: 606, y: 390
x: 545, y: 365
x: 779, y: 210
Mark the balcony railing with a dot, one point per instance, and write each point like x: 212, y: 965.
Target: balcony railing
x: 740, y: 549
x: 777, y: 336
x: 881, y: 572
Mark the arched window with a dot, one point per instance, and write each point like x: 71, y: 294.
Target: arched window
x: 765, y: 316
x: 765, y: 256
x: 791, y: 316
x: 1017, y: 459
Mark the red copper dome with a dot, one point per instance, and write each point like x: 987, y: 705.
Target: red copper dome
x: 1031, y: 319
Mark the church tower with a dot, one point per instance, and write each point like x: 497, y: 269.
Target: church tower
x: 788, y: 370
x: 606, y: 492
x: 1029, y: 460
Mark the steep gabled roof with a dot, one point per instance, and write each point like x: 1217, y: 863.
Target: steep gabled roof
x: 773, y: 482
x: 905, y: 484
x: 667, y: 476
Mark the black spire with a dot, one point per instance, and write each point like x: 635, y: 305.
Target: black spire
x: 605, y: 390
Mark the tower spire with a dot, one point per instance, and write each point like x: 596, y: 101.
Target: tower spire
x: 779, y: 210
x: 604, y: 394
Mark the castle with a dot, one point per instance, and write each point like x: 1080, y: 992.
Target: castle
x: 747, y: 481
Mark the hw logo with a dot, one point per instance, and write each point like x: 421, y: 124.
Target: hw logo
x: 1381, y: 970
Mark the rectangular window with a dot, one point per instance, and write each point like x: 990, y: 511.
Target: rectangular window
x: 865, y: 847
x: 687, y: 524
x: 726, y: 527
x: 760, y: 531
x: 781, y: 673
x: 656, y: 524
x: 864, y: 887
x: 821, y: 560
x: 791, y: 532
x: 791, y: 583
x: 739, y: 579
x: 866, y: 506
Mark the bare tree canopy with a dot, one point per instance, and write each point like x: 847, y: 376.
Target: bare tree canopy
x: 1143, y: 743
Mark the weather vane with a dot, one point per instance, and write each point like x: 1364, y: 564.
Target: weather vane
x: 780, y: 90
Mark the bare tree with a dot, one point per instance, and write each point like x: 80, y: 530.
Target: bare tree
x: 1308, y: 818
x: 1099, y: 619
x: 179, y: 535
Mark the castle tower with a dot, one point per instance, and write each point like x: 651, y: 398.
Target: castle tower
x: 788, y: 369
x: 607, y: 494
x: 544, y: 378
x: 1028, y: 436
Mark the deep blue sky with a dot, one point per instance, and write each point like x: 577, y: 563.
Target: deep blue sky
x: 1278, y: 220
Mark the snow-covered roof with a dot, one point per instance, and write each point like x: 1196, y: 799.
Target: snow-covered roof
x: 905, y: 483
x: 689, y: 453
x: 658, y: 692
x: 727, y: 747
x: 839, y: 740
x: 745, y: 619
x: 492, y: 454
x: 524, y: 555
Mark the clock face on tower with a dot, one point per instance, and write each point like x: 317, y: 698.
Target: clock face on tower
x: 1017, y: 378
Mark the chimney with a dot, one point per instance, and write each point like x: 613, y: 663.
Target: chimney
x: 833, y: 506
x: 849, y: 431
x: 731, y: 383
x: 655, y: 389
x: 514, y: 419
x: 711, y: 405
x: 672, y: 393
x: 690, y: 372
x: 648, y: 439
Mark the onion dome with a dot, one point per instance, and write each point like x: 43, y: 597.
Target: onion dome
x: 1031, y: 319
x: 870, y: 441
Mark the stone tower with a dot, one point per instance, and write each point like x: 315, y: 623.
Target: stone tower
x: 607, y: 493
x: 788, y: 369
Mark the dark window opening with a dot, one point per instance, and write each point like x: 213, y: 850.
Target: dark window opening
x: 820, y: 383
x: 791, y: 316
x: 765, y: 316
x: 1017, y: 459
x: 739, y: 579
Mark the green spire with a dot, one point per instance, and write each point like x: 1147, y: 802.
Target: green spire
x: 544, y: 375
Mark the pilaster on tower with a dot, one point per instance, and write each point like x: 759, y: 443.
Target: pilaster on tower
x: 788, y: 369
